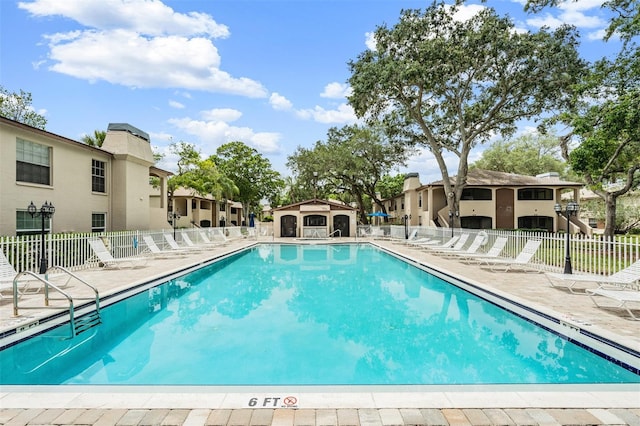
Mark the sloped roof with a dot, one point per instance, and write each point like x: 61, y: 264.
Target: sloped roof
x: 332, y: 204
x: 479, y: 177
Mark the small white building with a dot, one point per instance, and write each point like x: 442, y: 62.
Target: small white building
x: 314, y: 219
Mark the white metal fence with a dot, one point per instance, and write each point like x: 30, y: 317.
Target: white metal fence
x: 72, y: 251
x: 588, y: 255
x: 595, y: 255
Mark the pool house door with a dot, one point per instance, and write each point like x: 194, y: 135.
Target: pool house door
x: 288, y: 226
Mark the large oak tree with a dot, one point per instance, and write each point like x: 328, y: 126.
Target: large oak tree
x: 603, y: 144
x: 354, y: 160
x: 450, y: 84
x: 251, y: 172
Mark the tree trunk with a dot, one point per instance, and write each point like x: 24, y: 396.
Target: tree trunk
x: 363, y: 213
x: 610, y: 215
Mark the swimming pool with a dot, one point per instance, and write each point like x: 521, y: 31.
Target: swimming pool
x: 307, y: 315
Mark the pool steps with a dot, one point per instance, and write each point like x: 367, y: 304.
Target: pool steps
x: 76, y: 325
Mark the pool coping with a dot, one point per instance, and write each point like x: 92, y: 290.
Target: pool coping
x: 320, y: 397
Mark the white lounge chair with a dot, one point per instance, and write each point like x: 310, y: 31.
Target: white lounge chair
x: 175, y: 246
x: 623, y: 278
x: 456, y: 246
x: 234, y: 232
x: 435, y: 243
x: 217, y: 235
x: 191, y: 245
x: 472, y: 249
x: 522, y: 261
x: 412, y: 237
x: 420, y: 240
x: 623, y: 297
x: 493, y: 253
x: 107, y: 260
x: 218, y: 241
x: 26, y: 285
x: 156, y: 251
x: 8, y: 273
x: 377, y: 233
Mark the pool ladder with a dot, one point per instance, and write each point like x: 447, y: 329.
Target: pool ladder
x: 76, y: 325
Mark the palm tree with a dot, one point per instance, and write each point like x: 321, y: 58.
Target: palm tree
x: 96, y: 140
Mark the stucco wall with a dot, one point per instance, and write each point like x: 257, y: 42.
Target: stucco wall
x: 70, y: 188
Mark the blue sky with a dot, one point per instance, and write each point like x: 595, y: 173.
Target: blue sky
x: 272, y: 74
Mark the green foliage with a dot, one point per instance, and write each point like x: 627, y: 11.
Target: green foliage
x: 605, y: 119
x: 390, y: 186
x: 450, y: 85
x: 251, y: 172
x: 203, y: 176
x: 17, y: 106
x: 529, y: 154
x: 350, y: 164
x: 97, y: 139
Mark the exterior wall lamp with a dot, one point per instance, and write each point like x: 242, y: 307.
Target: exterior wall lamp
x: 570, y: 210
x: 46, y: 211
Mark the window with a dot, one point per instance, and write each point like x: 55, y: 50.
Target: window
x: 535, y: 194
x: 97, y: 176
x: 544, y: 223
x: 223, y: 207
x: 25, y: 224
x: 33, y: 162
x: 234, y: 210
x: 315, y: 220
x: 476, y: 222
x: 420, y: 200
x: 98, y: 221
x: 476, y: 194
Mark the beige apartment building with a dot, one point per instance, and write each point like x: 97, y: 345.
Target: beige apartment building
x: 204, y: 210
x: 92, y: 189
x: 490, y: 200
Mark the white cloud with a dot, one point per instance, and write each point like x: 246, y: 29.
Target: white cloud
x: 370, y: 40
x: 213, y: 133
x: 221, y: 114
x: 466, y: 12
x: 176, y: 104
x: 279, y: 102
x: 140, y: 43
x: 545, y: 21
x: 597, y: 35
x: 581, y: 5
x: 183, y: 94
x: 425, y: 164
x: 336, y: 91
x: 342, y: 115
x: 573, y: 13
x: 150, y: 17
x: 581, y: 20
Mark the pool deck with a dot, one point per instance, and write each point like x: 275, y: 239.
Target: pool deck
x: 327, y: 405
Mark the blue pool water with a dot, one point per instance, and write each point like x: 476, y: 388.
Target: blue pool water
x: 307, y: 315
